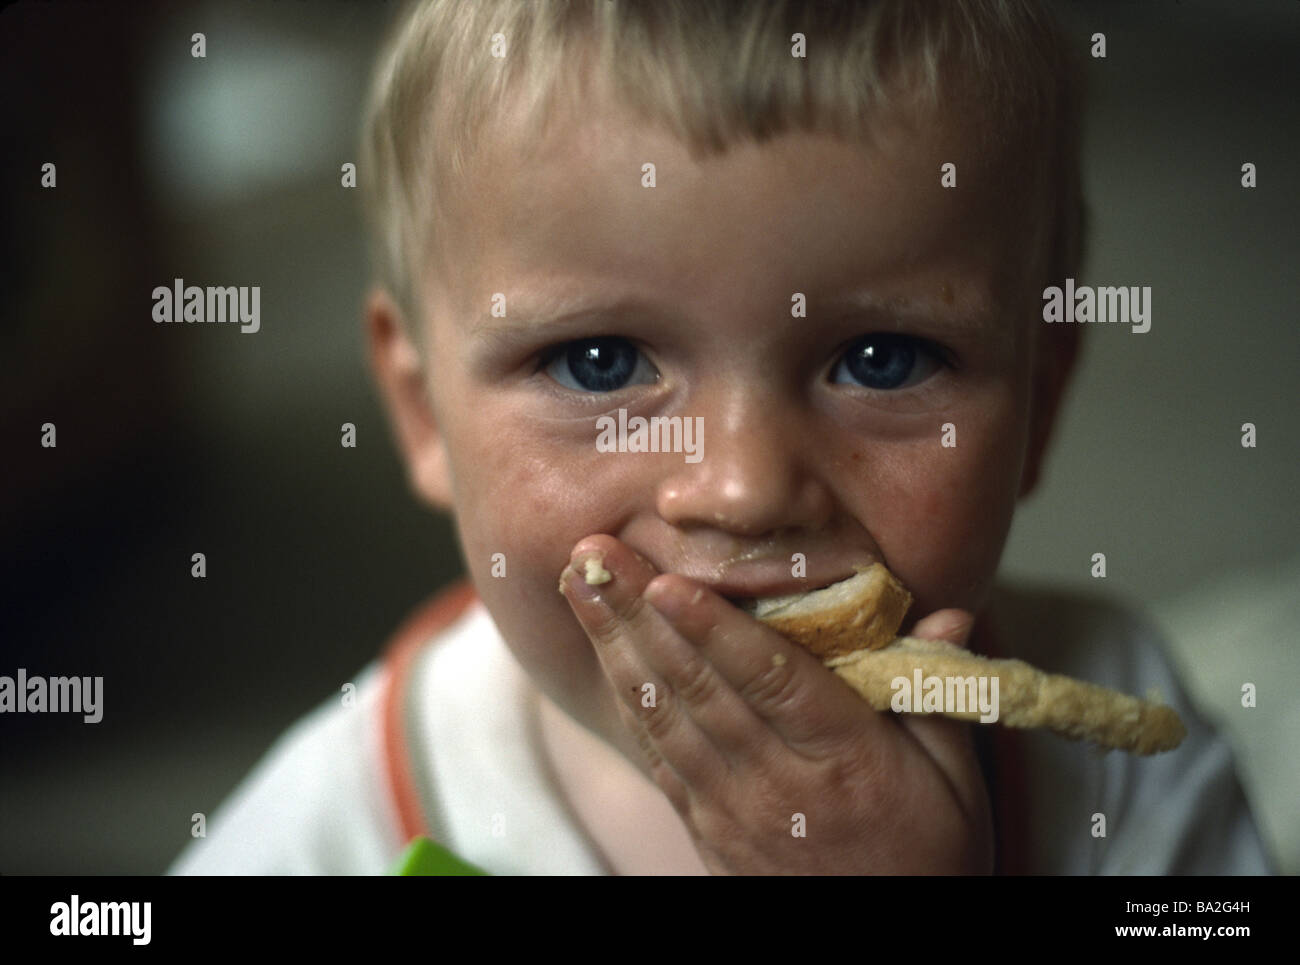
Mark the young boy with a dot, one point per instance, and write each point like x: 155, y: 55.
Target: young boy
x: 819, y: 235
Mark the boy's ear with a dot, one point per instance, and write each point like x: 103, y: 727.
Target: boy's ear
x: 399, y: 373
x: 1056, y: 354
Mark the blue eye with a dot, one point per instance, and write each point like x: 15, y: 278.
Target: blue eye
x: 887, y: 361
x: 600, y: 365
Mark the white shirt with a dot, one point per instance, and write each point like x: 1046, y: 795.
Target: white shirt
x: 318, y: 802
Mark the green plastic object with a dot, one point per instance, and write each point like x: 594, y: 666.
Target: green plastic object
x: 425, y: 857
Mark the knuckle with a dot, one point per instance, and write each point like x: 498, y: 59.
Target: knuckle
x: 615, y: 621
x: 859, y: 774
x: 658, y: 721
x: 632, y: 610
x: 652, y: 755
x: 775, y: 688
x: 697, y: 681
x: 606, y: 629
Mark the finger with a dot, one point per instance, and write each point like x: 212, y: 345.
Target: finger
x: 660, y: 771
x: 950, y: 743
x: 803, y: 707
x: 953, y: 626
x: 628, y: 636
x: 724, y: 713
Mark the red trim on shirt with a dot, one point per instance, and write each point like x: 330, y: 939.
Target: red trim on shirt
x: 429, y: 619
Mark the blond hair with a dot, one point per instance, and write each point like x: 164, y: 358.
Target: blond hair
x: 714, y: 72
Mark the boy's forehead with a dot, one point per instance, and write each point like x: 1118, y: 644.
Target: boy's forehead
x: 617, y: 202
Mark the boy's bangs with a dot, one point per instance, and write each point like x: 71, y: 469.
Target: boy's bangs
x: 713, y: 73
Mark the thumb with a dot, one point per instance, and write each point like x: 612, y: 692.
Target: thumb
x: 953, y: 626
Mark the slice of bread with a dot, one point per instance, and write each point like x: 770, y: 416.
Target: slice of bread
x: 863, y: 612
x: 1028, y: 697
x: 851, y: 626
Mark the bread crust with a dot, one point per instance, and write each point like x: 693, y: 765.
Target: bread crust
x: 1028, y: 697
x: 866, y: 621
x: 852, y: 627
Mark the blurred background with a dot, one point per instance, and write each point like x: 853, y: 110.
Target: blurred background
x: 174, y: 440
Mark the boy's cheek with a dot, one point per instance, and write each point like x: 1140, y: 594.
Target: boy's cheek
x: 941, y: 520
x: 520, y: 510
x: 534, y: 509
x: 950, y: 559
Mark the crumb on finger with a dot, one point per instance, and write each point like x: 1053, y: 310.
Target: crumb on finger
x: 596, y: 573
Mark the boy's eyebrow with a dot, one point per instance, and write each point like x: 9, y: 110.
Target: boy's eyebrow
x: 530, y: 316
x: 941, y: 315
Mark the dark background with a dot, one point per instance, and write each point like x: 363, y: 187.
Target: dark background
x: 181, y: 439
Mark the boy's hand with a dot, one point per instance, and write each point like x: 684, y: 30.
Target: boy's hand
x: 749, y: 732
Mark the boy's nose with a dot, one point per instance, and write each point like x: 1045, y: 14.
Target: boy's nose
x: 755, y: 475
